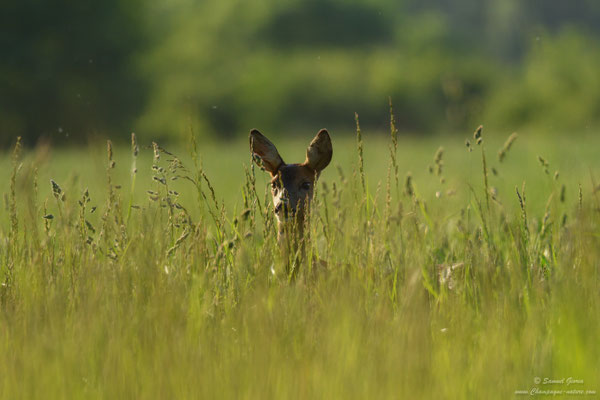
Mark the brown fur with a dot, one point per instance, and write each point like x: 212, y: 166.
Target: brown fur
x: 292, y: 185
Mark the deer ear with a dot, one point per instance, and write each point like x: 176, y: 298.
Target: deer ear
x: 319, y: 152
x: 266, y: 151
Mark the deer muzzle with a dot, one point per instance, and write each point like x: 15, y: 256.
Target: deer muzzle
x: 283, y: 209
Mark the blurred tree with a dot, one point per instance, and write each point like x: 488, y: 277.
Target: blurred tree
x: 318, y: 23
x: 556, y: 90
x: 294, y: 65
x: 67, y: 68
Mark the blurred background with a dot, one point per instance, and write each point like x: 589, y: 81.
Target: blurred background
x: 71, y: 71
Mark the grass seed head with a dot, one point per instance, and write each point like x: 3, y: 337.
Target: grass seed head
x: 109, y: 151
x: 156, y: 151
x: 57, y: 191
x: 438, y: 155
x: 134, y: 145
x: 507, y: 145
x: 477, y: 135
x: 408, y: 185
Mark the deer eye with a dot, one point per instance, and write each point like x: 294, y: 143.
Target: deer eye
x: 305, y: 186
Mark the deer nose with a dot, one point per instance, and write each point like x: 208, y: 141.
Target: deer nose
x: 283, y: 207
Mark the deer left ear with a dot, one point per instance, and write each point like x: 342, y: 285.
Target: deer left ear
x: 319, y: 151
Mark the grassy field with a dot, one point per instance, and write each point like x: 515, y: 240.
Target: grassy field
x: 462, y: 281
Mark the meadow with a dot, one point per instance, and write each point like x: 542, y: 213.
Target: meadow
x: 432, y: 270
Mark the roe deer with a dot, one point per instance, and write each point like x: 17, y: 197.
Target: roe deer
x: 291, y: 184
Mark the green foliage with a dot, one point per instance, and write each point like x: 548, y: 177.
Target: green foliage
x: 556, y: 88
x: 68, y: 69
x: 286, y: 84
x: 295, y: 66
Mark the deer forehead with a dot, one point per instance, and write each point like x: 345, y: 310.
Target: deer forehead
x: 295, y: 174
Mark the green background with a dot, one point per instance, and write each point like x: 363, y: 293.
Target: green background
x: 71, y: 71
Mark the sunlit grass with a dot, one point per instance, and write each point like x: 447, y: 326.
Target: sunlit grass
x: 179, y: 292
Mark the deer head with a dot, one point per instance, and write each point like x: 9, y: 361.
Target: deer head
x: 292, y: 185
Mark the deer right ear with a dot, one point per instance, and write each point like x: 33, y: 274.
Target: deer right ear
x: 319, y: 152
x: 266, y: 151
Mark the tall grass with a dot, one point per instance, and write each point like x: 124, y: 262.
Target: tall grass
x: 399, y: 297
